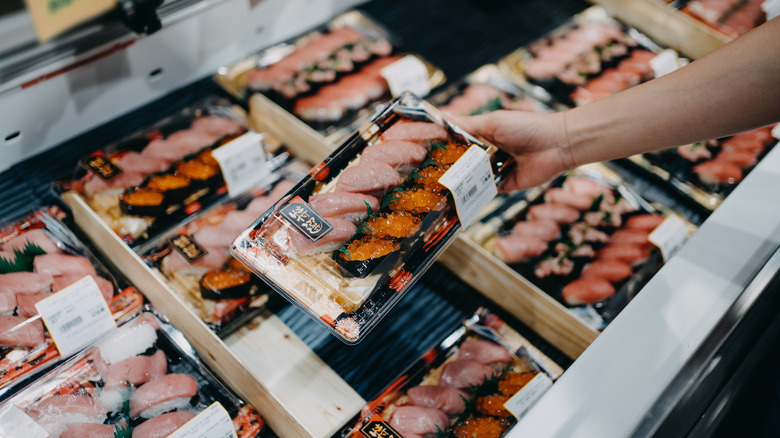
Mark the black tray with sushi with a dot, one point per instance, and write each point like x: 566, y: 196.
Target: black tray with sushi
x: 333, y: 248
x: 39, y: 256
x: 159, y: 177
x: 583, y: 240
x: 328, y: 77
x: 217, y: 287
x: 592, y: 57
x: 459, y: 386
x: 708, y: 171
x: 142, y: 379
x: 489, y: 89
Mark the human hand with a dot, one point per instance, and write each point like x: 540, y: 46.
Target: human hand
x: 538, y: 142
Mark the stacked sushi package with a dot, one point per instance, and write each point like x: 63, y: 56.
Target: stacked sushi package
x: 39, y: 257
x: 478, y: 381
x: 140, y: 380
x: 352, y: 237
x: 729, y: 17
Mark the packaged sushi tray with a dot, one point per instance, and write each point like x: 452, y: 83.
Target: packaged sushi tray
x: 40, y: 257
x: 479, y: 381
x: 586, y: 239
x: 708, y: 171
x: 194, y: 260
x: 155, y: 179
x: 731, y: 18
x: 328, y: 81
x: 142, y: 380
x: 592, y: 57
x: 349, y: 239
x: 489, y: 89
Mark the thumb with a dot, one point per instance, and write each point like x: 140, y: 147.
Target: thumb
x: 475, y: 125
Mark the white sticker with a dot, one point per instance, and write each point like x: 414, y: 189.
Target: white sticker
x: 669, y: 236
x: 472, y: 184
x: 588, y: 314
x: 242, y: 162
x: 772, y: 10
x: 665, y: 63
x: 527, y: 397
x: 776, y: 129
x: 407, y: 74
x: 15, y: 423
x: 76, y: 315
x: 213, y: 422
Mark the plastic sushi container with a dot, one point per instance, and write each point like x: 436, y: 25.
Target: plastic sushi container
x: 320, y: 86
x: 586, y: 239
x: 194, y: 261
x: 489, y: 89
x: 344, y: 256
x: 141, y: 379
x: 144, y: 184
x: 39, y: 256
x: 479, y: 381
x: 591, y: 57
x: 731, y: 19
x: 708, y: 171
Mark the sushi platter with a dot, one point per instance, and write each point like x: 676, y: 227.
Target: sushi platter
x: 142, y: 379
x: 592, y: 57
x: 317, y: 88
x: 39, y: 257
x: 730, y: 18
x: 709, y: 171
x: 150, y: 181
x: 461, y: 385
x: 344, y: 256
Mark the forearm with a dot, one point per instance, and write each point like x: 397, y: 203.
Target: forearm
x: 733, y: 89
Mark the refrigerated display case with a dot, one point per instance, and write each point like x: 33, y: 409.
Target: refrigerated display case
x: 667, y: 365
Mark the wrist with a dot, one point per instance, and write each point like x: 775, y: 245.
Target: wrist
x: 562, y: 142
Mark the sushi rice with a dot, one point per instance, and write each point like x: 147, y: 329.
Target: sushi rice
x: 128, y: 342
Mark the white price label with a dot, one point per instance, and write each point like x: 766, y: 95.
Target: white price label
x: 527, y: 397
x: 15, y: 423
x: 665, y: 63
x: 76, y: 315
x: 213, y: 422
x: 776, y: 129
x: 772, y: 10
x: 242, y: 162
x: 407, y: 74
x: 669, y: 236
x: 472, y: 184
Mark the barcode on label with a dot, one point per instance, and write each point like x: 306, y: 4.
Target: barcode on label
x: 72, y: 323
x: 471, y: 192
x: 97, y: 311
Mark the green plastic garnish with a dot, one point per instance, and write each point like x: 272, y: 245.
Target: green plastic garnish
x: 23, y: 260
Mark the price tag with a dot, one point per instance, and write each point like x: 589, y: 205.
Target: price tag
x: 772, y: 10
x: 776, y: 129
x: 527, y: 397
x: 407, y: 74
x: 15, y: 423
x: 472, y: 184
x: 242, y: 162
x: 76, y: 315
x: 665, y: 63
x: 52, y: 17
x: 213, y: 422
x: 669, y: 236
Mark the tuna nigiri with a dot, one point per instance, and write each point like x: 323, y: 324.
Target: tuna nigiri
x: 418, y: 420
x: 613, y: 271
x: 63, y: 264
x: 741, y: 158
x: 58, y: 411
x: 215, y: 125
x: 352, y: 207
x: 631, y: 254
x: 587, y: 186
x: 445, y: 398
x: 401, y: 155
x: 162, y: 425
x: 167, y: 393
x: 342, y: 231
x: 561, y: 196
x: 516, y: 248
x: 18, y: 331
x: 561, y: 214
x: 136, y: 370
x: 90, y: 430
x: 25, y: 282
x: 135, y: 162
x: 718, y: 172
x: 630, y: 236
x: 647, y: 222
x: 587, y: 290
x: 544, y: 229
x: 418, y: 132
x: 465, y: 373
x: 483, y: 352
x: 368, y: 178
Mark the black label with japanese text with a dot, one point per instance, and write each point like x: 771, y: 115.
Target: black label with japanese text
x: 379, y: 429
x: 102, y: 166
x: 306, y: 220
x: 186, y: 246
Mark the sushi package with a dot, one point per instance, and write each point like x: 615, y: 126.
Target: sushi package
x: 592, y: 57
x: 331, y: 78
x: 141, y: 380
x: 586, y: 239
x: 151, y: 181
x: 489, y: 89
x: 708, y: 171
x: 731, y: 18
x: 479, y: 381
x: 39, y: 257
x: 194, y: 260
x: 349, y: 240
